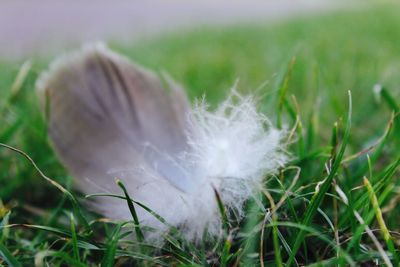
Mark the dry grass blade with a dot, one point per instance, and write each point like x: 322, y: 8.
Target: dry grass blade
x: 73, y: 200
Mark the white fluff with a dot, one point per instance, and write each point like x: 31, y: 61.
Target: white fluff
x: 230, y: 149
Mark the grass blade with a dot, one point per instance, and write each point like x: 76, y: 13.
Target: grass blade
x: 8, y: 257
x: 222, y: 211
x: 139, y: 233
x: 74, y: 201
x: 74, y: 239
x: 283, y: 90
x: 391, y: 102
x: 378, y: 213
x: 108, y: 259
x: 275, y: 237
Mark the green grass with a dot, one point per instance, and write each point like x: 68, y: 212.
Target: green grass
x: 303, y: 69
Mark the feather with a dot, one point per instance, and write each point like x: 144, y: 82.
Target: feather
x: 109, y: 118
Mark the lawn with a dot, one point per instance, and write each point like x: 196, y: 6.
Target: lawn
x: 338, y: 195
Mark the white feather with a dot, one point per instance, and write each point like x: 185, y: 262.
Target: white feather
x: 230, y: 149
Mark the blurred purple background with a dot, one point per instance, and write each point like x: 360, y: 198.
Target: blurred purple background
x: 46, y: 26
